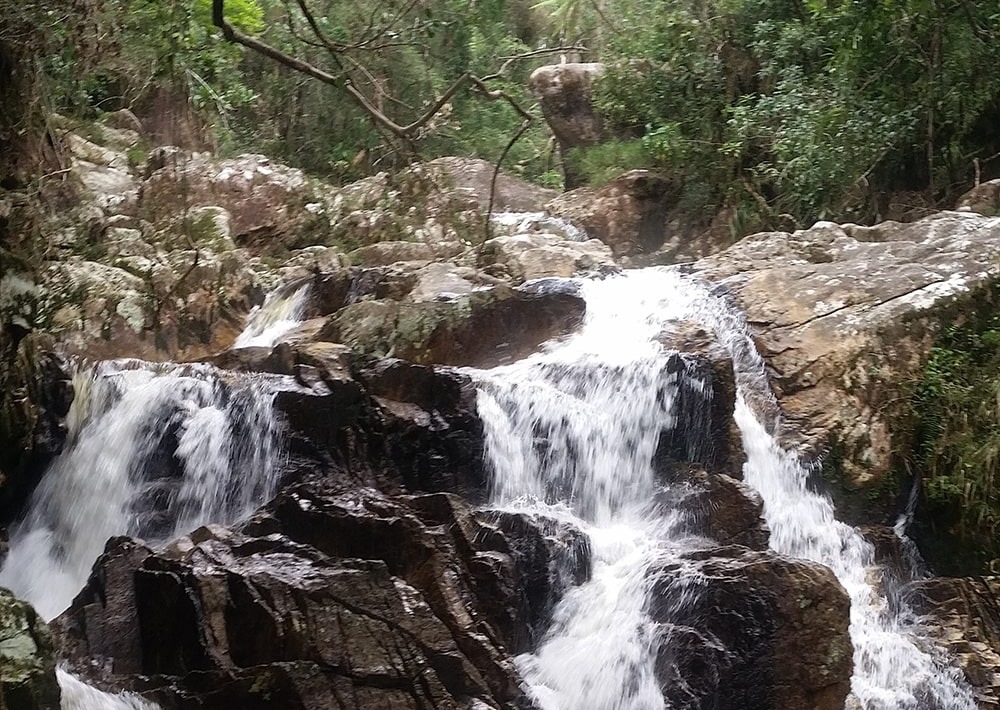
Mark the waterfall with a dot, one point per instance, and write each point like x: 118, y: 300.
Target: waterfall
x: 571, y: 432
x: 77, y: 695
x: 152, y: 451
x: 281, y: 311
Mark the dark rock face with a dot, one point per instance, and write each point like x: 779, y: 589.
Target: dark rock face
x: 722, y: 508
x: 546, y: 558
x: 32, y: 419
x: 746, y: 630
x: 704, y: 432
x: 322, y: 600
x: 27, y: 658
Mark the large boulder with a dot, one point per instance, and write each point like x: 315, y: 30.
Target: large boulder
x: 771, y: 633
x: 481, y: 329
x: 844, y: 314
x: 322, y: 599
x: 27, y: 658
x: 528, y: 256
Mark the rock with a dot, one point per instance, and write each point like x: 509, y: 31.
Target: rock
x: 273, y: 207
x: 524, y: 257
x: 425, y: 432
x: 481, y: 329
x: 32, y: 417
x: 704, y: 392
x: 27, y: 658
x: 629, y: 214
x: 386, y: 423
x: 724, y: 509
x: 473, y: 177
x: 983, y: 198
x: 564, y: 93
x: 962, y: 615
x: 385, y: 253
x: 771, y: 632
x: 544, y: 559
x: 844, y: 314
x: 321, y: 600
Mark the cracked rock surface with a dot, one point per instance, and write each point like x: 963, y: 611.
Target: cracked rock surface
x: 845, y: 314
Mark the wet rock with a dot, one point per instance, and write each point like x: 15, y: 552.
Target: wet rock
x: 39, y: 392
x: 704, y: 394
x: 349, y: 600
x: 481, y: 329
x: 963, y: 615
x: 771, y: 632
x: 423, y: 430
x: 543, y: 559
x: 27, y: 658
x: 724, y: 509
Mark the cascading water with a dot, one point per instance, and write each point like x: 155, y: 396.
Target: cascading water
x: 571, y: 433
x: 152, y: 451
x: 281, y: 311
x: 77, y: 695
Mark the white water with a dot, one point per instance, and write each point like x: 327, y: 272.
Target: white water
x: 152, y: 451
x: 77, y: 695
x: 572, y: 431
x: 281, y: 311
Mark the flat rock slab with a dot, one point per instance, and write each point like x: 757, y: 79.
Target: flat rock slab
x: 845, y: 314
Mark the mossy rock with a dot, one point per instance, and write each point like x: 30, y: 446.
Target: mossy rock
x: 27, y: 658
x: 481, y: 329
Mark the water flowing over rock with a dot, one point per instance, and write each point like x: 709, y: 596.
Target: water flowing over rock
x: 322, y: 599
x: 648, y: 534
x: 744, y: 630
x: 150, y: 451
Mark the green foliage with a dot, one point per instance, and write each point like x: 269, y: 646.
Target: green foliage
x: 956, y: 406
x: 804, y: 109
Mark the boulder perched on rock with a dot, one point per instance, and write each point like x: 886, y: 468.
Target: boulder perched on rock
x: 564, y: 93
x: 323, y: 599
x: 771, y: 633
x: 27, y: 658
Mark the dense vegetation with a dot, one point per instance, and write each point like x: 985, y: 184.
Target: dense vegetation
x: 785, y: 111
x: 956, y: 409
